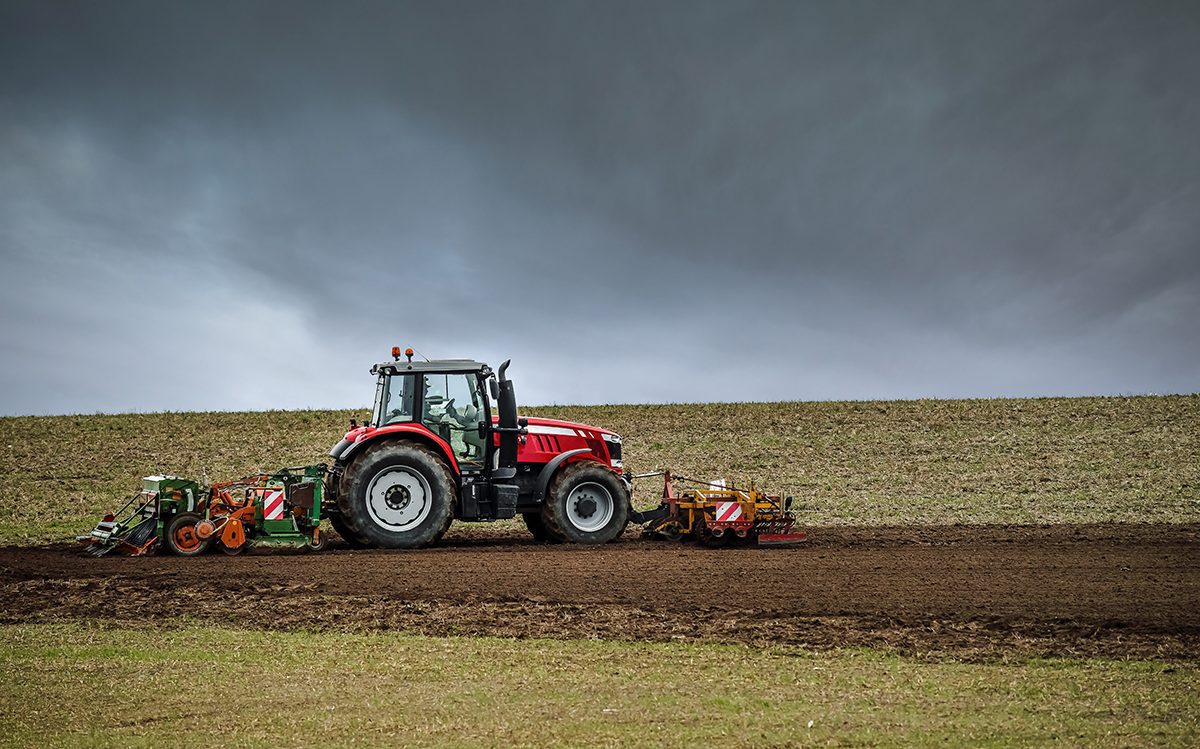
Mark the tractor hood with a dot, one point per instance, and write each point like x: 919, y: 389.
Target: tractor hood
x: 548, y: 440
x: 564, y: 428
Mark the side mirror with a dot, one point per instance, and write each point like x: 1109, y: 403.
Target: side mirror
x: 522, y: 422
x: 494, y: 389
x: 787, y: 505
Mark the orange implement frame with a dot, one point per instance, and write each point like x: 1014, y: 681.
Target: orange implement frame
x: 231, y: 515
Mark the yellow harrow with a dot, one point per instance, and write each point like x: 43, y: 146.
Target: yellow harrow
x: 717, y: 515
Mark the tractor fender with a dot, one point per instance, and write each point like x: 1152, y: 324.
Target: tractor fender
x: 339, y: 448
x: 402, y: 431
x: 547, y: 472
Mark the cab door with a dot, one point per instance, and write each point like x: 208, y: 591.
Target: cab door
x: 453, y: 407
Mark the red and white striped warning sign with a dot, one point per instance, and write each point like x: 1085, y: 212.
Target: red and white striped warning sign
x: 728, y: 511
x: 273, y: 504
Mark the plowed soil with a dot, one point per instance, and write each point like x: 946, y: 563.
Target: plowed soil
x: 971, y: 591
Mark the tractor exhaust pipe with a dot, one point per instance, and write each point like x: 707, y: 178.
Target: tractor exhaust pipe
x: 508, y: 427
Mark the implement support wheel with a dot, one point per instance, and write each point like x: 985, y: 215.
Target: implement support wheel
x: 182, y: 538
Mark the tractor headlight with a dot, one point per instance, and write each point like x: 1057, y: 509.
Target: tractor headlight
x: 614, y: 449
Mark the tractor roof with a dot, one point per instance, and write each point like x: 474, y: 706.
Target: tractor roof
x: 437, y: 365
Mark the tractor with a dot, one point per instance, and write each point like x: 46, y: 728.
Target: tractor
x: 434, y: 451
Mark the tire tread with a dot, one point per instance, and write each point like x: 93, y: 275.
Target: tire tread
x: 352, y: 478
x: 554, y: 506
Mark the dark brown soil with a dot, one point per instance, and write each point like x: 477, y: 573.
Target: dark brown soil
x: 971, y: 591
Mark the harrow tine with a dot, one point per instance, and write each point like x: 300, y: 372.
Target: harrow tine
x: 781, y: 539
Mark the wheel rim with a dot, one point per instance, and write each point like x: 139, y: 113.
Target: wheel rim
x: 186, y: 538
x: 399, y: 498
x: 589, y: 507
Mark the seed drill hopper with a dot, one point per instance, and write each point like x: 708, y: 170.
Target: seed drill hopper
x: 187, y: 518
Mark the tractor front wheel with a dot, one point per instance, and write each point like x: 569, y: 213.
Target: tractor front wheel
x: 586, y: 504
x: 537, y: 528
x: 397, y: 495
x: 182, y: 538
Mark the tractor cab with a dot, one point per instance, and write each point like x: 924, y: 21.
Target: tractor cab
x: 448, y: 397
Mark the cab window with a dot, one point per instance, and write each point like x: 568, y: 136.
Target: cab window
x: 452, y: 407
x: 398, y: 400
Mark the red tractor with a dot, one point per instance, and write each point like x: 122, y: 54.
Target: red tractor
x: 434, y: 451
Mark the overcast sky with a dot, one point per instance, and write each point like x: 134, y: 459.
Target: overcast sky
x: 243, y: 205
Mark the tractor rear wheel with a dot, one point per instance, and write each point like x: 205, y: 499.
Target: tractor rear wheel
x: 586, y: 504
x: 344, y: 531
x: 537, y: 528
x: 397, y: 495
x: 182, y: 538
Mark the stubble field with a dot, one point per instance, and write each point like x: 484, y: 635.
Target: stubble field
x: 1026, y: 462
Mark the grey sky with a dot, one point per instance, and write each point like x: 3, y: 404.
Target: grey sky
x: 242, y: 205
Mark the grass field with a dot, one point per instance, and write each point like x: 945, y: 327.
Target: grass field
x: 933, y: 462
x: 80, y: 685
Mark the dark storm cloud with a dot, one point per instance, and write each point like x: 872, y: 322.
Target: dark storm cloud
x: 635, y: 201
